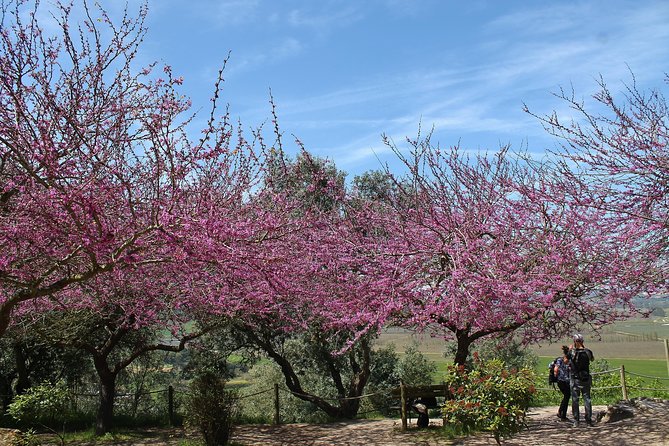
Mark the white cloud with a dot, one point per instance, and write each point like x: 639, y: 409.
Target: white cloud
x: 278, y: 51
x: 232, y: 12
x: 324, y: 20
x: 527, y: 55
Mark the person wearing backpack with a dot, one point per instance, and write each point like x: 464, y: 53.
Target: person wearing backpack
x: 580, y: 379
x: 561, y: 372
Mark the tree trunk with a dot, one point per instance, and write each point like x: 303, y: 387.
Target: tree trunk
x: 346, y: 408
x: 22, y: 378
x: 105, y: 413
x: 349, y: 408
x: 5, y: 315
x: 6, y: 393
x: 464, y: 341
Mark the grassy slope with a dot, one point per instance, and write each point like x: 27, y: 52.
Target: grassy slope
x: 636, y: 343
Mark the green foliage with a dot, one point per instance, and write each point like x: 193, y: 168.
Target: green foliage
x: 191, y: 442
x: 390, y: 369
x: 506, y: 349
x: 38, y: 360
x: 211, y: 408
x: 258, y: 397
x: 320, y: 371
x: 314, y: 181
x: 414, y: 368
x: 488, y: 398
x: 383, y: 376
x: 212, y: 353
x: 44, y: 404
x: 137, y: 382
x: 27, y: 438
x: 387, y: 370
x: 374, y: 185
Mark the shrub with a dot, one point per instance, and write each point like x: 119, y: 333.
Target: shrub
x: 28, y: 438
x: 414, y: 368
x: 211, y: 408
x: 488, y: 398
x: 45, y: 405
x: 389, y: 369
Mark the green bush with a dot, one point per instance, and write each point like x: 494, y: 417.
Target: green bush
x: 28, y: 438
x: 211, y: 409
x: 44, y: 405
x: 488, y: 398
x: 414, y: 368
x: 390, y: 369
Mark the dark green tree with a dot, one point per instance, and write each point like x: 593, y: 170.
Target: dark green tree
x: 344, y: 374
x: 26, y: 359
x: 113, y: 341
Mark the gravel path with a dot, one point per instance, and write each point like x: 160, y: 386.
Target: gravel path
x: 543, y: 428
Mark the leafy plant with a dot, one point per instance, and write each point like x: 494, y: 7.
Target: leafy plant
x: 389, y: 369
x: 488, y: 398
x: 42, y: 404
x: 211, y: 408
x: 27, y: 438
x: 414, y: 368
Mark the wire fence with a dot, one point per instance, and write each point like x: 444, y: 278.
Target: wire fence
x: 166, y: 403
x: 619, y: 383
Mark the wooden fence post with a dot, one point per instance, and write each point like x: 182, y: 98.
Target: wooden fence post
x: 277, y: 417
x: 170, y: 405
x: 623, y: 384
x: 666, y: 352
x: 403, y: 405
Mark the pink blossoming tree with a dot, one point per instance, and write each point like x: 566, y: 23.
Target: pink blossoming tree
x: 326, y: 286
x: 493, y: 246
x: 97, y: 171
x: 615, y: 154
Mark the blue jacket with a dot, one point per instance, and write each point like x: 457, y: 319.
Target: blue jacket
x: 563, y: 370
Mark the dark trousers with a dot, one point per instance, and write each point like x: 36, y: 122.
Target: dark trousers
x: 566, y: 393
x: 578, y: 388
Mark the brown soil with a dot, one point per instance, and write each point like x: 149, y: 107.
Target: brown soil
x: 543, y: 427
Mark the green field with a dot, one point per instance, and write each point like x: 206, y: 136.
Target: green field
x: 636, y: 343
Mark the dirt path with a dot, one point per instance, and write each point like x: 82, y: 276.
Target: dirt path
x: 543, y: 428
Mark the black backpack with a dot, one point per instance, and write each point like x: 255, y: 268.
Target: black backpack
x: 552, y: 376
x: 581, y: 363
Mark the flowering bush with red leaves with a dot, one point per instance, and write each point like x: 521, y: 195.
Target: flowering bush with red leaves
x: 488, y: 398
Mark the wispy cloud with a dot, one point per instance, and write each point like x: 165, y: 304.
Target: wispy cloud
x: 324, y: 21
x: 553, y: 46
x: 278, y: 51
x: 473, y: 88
x: 230, y: 12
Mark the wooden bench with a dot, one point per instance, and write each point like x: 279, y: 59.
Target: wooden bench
x: 426, y: 394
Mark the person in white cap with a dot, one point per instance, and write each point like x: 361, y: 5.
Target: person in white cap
x: 580, y: 379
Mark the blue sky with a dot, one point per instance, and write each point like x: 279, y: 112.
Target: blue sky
x: 343, y: 72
